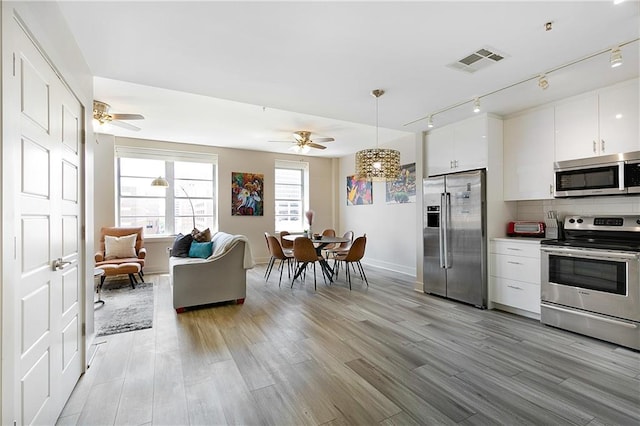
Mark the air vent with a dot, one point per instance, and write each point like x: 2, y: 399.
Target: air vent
x: 478, y: 60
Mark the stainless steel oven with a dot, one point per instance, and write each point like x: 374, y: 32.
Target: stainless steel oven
x: 591, y: 280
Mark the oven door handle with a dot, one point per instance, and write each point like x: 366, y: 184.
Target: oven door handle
x: 591, y: 254
x: 589, y: 315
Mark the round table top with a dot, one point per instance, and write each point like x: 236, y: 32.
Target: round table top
x: 323, y: 239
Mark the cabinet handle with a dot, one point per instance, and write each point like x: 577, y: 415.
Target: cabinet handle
x: 514, y: 249
x: 602, y: 145
x: 594, y: 147
x: 514, y: 263
x: 451, y: 164
x: 550, y: 189
x: 456, y: 163
x: 514, y: 287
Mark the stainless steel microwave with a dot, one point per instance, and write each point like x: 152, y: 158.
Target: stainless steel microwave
x: 615, y: 174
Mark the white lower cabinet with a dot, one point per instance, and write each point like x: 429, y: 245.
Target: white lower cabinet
x: 514, y: 280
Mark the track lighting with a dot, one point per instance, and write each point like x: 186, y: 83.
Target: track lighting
x: 543, y: 82
x: 430, y: 122
x: 476, y: 105
x: 616, y: 57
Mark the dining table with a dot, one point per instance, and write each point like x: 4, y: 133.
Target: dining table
x: 319, y: 242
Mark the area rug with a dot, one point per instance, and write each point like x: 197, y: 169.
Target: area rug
x: 125, y: 308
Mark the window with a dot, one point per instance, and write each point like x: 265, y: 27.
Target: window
x: 188, y: 202
x: 291, y: 195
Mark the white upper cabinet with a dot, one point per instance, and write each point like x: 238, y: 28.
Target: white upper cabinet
x: 619, y: 123
x: 528, y: 155
x: 457, y: 147
x: 599, y: 123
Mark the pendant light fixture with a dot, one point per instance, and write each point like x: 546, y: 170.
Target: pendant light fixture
x: 378, y: 163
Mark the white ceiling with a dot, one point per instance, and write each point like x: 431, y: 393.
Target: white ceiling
x: 239, y: 74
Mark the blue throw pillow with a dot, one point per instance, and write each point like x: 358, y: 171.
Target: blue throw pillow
x: 202, y: 250
x: 181, y: 245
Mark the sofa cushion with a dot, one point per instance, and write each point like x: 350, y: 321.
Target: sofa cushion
x: 120, y: 247
x: 202, y: 250
x: 201, y: 236
x: 182, y: 245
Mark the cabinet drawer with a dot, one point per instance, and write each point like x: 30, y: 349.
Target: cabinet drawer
x: 516, y: 268
x: 516, y: 248
x: 517, y: 294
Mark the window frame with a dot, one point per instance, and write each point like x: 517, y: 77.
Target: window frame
x: 169, y: 158
x: 303, y: 167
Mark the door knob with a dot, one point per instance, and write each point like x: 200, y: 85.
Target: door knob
x: 59, y: 264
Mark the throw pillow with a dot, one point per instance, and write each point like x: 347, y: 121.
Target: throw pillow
x: 182, y: 245
x: 120, y: 247
x: 201, y: 236
x: 202, y: 250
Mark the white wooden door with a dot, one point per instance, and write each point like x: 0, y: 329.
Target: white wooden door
x: 46, y: 300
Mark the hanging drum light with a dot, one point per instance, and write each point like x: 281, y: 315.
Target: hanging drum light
x: 378, y: 163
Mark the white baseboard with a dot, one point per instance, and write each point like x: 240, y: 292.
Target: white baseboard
x: 406, y: 270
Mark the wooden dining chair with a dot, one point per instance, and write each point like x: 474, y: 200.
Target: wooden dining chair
x: 353, y: 256
x: 286, y: 244
x: 304, y: 254
x: 278, y: 254
x: 342, y: 247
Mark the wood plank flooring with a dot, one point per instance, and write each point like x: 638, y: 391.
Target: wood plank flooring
x: 379, y: 355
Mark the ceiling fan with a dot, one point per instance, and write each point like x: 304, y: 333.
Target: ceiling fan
x: 102, y: 115
x: 303, y: 142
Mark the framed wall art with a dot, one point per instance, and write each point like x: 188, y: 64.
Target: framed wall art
x: 246, y: 194
x: 403, y: 189
x: 359, y: 191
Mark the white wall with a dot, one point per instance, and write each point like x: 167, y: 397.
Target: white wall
x: 321, y: 182
x: 390, y: 228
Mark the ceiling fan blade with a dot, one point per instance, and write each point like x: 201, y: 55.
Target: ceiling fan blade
x: 125, y: 125
x: 315, y: 145
x: 283, y: 141
x: 323, y: 140
x: 298, y: 137
x: 127, y: 116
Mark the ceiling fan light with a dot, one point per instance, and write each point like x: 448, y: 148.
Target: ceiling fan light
x: 160, y: 181
x: 616, y: 57
x: 305, y: 148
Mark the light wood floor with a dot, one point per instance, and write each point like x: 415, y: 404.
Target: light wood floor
x: 379, y: 355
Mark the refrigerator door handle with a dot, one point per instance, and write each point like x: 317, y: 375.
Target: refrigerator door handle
x: 441, y: 232
x: 446, y: 204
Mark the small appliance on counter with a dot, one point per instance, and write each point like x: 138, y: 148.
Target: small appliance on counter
x: 521, y: 228
x: 553, y: 228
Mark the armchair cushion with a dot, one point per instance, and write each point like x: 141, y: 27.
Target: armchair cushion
x: 137, y: 257
x: 120, y: 247
x: 181, y: 245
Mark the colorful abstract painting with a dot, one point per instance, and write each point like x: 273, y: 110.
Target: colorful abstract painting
x: 246, y: 194
x: 403, y: 189
x: 359, y: 191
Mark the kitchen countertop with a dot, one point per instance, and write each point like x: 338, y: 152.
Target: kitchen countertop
x: 526, y: 240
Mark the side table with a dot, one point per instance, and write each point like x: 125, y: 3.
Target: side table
x: 98, y: 272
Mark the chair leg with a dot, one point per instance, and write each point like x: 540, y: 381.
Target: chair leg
x: 132, y: 280
x: 140, y: 274
x: 267, y: 273
x: 314, y: 276
x: 348, y: 272
x: 102, y: 278
x: 281, y: 268
x: 362, y: 273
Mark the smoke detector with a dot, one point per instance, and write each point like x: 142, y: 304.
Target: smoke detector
x: 478, y: 60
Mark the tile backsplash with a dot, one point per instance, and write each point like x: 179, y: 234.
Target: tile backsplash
x: 537, y: 210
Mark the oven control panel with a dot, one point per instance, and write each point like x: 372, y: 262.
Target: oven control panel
x: 613, y: 223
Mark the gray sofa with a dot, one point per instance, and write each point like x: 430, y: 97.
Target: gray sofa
x: 219, y: 278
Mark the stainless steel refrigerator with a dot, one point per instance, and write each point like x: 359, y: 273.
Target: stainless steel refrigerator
x: 455, y: 248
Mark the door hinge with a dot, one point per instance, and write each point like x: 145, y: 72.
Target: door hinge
x: 14, y: 64
x: 83, y: 233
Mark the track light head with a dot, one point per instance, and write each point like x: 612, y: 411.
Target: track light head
x: 616, y: 57
x: 543, y: 82
x: 476, y: 105
x: 430, y: 122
